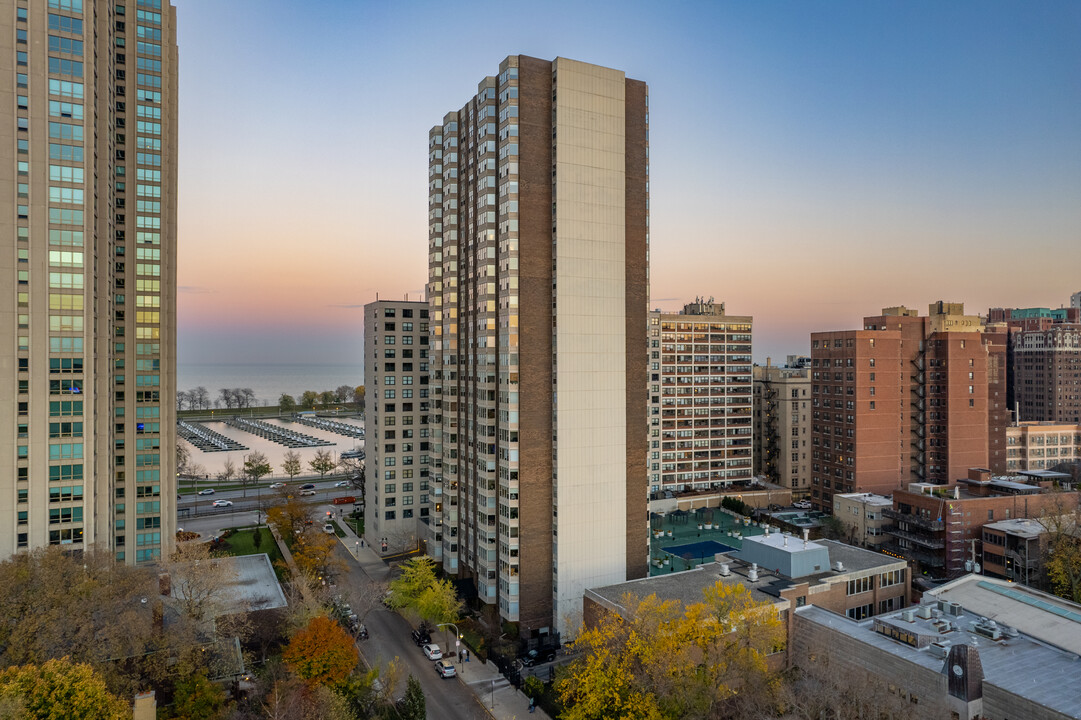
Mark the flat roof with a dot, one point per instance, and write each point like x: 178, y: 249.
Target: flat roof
x: 1024, y: 527
x: 866, y: 498
x: 1021, y: 665
x: 1044, y: 474
x: 1045, y: 617
x: 253, y: 585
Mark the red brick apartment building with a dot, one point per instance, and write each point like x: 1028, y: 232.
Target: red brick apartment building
x: 906, y: 399
x: 1044, y: 362
x: 939, y: 528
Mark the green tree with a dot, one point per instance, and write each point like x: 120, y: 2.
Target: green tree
x: 321, y: 653
x: 358, y: 396
x: 439, y: 603
x: 322, y: 463
x: 413, y: 706
x: 417, y: 589
x: 327, y: 397
x: 196, y: 698
x: 256, y: 465
x: 61, y: 690
x: 309, y: 399
x: 257, y: 538
x: 287, y: 403
x: 291, y: 463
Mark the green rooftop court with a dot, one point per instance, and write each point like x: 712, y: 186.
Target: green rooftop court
x: 690, y: 538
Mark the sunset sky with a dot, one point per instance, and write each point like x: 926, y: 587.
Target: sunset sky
x: 810, y: 162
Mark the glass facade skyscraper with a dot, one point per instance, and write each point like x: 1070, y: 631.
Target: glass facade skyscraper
x: 88, y: 264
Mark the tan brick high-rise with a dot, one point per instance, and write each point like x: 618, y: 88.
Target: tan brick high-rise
x: 906, y: 399
x: 88, y: 266
x: 538, y: 292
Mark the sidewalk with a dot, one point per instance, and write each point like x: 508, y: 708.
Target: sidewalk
x: 493, y: 691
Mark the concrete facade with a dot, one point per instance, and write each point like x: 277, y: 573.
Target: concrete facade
x: 538, y: 240
x: 1042, y: 445
x: 782, y: 425
x: 863, y: 514
x: 88, y: 244
x: 701, y: 426
x: 397, y: 494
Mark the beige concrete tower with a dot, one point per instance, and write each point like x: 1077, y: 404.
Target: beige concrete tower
x: 87, y: 259
x: 538, y: 289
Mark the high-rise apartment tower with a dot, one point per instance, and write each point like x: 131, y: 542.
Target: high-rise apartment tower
x: 538, y: 287
x: 701, y: 424
x: 396, y: 441
x: 906, y: 399
x: 88, y: 244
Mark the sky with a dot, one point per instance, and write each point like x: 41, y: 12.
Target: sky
x: 810, y: 162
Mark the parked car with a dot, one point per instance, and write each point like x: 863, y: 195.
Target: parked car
x: 421, y: 637
x: 208, y: 491
x: 341, y: 483
x: 432, y: 651
x: 307, y: 486
x: 307, y: 493
x: 277, y: 486
x: 802, y: 504
x: 536, y: 657
x: 223, y: 503
x: 445, y: 668
x: 328, y: 529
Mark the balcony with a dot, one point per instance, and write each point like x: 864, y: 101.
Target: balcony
x: 924, y: 558
x: 924, y: 540
x: 917, y: 520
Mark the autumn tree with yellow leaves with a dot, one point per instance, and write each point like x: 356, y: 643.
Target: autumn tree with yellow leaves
x: 661, y: 660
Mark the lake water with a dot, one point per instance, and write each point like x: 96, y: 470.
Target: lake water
x: 267, y: 381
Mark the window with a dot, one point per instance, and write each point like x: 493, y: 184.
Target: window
x: 860, y: 585
x: 861, y: 612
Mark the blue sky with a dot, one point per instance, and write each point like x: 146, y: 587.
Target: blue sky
x: 811, y: 162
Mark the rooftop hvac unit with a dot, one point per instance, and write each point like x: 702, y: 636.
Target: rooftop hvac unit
x: 839, y: 566
x: 955, y: 609
x: 752, y: 574
x: 924, y: 612
x: 725, y: 570
x: 940, y: 649
x: 908, y: 615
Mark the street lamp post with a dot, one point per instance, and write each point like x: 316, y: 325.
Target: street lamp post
x: 457, y: 639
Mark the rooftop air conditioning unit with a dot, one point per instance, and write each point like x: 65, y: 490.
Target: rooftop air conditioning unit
x: 924, y: 612
x: 939, y: 649
x: 839, y: 566
x: 725, y: 570
x: 955, y: 609
x: 908, y: 615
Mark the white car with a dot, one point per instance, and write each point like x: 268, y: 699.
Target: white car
x: 223, y: 503
x: 432, y: 651
x: 277, y: 486
x: 342, y: 483
x: 208, y: 491
x: 802, y: 504
x: 328, y: 529
x: 307, y: 493
x: 445, y: 668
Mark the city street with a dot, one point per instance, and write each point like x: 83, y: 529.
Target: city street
x: 389, y: 639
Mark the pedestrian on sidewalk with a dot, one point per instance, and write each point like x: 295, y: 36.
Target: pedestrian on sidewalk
x: 532, y: 704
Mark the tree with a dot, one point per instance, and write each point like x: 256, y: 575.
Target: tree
x: 323, y: 462
x: 183, y: 457
x: 309, y: 399
x: 287, y: 403
x: 418, y: 590
x: 343, y: 394
x: 248, y: 397
x: 181, y: 398
x: 196, y: 698
x: 358, y: 396
x: 662, y: 660
x: 61, y: 690
x: 1062, y: 555
x: 313, y: 554
x: 291, y: 463
x: 413, y: 705
x: 255, y: 466
x: 200, y: 398
x: 199, y: 580
x: 227, y: 397
x: 289, y: 519
x: 321, y: 653
x: 228, y: 470
x: 327, y: 397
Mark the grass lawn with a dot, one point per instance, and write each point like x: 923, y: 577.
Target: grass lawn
x: 240, y: 543
x: 357, y: 524
x: 337, y: 528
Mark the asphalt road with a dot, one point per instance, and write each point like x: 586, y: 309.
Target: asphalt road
x: 257, y: 497
x: 447, y: 698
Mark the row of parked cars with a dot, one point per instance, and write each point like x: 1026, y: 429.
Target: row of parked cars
x: 444, y: 668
